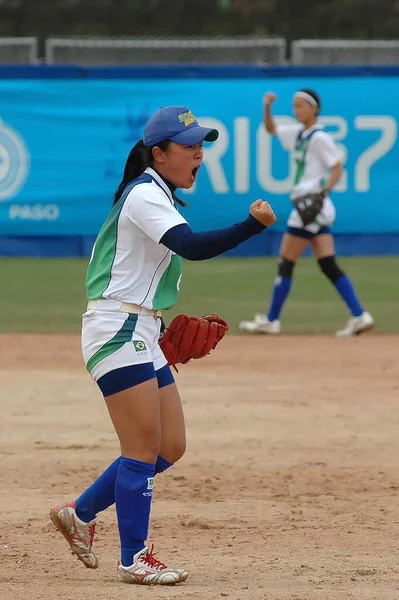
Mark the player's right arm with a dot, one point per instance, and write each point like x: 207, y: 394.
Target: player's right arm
x: 268, y: 120
x: 148, y: 207
x: 208, y: 244
x: 287, y: 134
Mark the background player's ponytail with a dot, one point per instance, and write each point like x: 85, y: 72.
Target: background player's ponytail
x: 140, y: 157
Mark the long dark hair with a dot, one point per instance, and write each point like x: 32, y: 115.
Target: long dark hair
x: 140, y: 157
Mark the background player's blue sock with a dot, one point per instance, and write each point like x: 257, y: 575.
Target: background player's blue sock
x: 347, y: 292
x: 282, y: 286
x: 101, y: 494
x: 133, y: 495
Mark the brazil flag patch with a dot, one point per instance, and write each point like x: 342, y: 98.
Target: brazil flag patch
x: 139, y: 346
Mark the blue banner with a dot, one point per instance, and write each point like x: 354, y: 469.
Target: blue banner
x: 64, y: 142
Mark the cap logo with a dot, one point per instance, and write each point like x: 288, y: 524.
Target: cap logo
x: 187, y: 118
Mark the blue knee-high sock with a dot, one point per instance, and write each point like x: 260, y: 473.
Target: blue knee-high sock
x: 133, y: 495
x: 161, y: 465
x: 101, y: 494
x: 282, y: 286
x: 345, y: 289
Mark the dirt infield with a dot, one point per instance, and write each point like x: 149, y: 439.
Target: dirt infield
x: 289, y: 488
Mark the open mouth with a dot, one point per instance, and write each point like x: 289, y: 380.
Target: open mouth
x: 194, y: 173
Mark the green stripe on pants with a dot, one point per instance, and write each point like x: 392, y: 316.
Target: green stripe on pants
x: 124, y: 335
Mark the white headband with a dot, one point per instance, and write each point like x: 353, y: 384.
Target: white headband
x: 307, y: 97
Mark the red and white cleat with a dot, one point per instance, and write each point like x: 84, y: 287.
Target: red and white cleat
x: 148, y: 570
x: 77, y: 533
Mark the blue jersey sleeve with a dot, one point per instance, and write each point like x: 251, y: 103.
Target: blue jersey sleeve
x: 208, y: 244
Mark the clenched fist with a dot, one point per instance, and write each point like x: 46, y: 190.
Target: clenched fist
x: 263, y: 212
x: 269, y: 98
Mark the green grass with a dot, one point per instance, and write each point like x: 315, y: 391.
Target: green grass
x: 47, y: 295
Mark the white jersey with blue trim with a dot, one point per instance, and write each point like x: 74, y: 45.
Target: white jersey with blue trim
x: 314, y: 152
x: 128, y: 263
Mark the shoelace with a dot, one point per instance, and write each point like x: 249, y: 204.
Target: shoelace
x: 151, y: 561
x: 92, y: 531
x: 80, y: 532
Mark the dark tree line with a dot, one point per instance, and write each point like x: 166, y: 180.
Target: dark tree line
x: 292, y: 19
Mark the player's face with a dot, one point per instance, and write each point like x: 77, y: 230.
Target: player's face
x: 304, y: 111
x: 180, y: 164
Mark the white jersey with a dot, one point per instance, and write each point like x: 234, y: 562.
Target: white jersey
x: 314, y: 153
x: 128, y: 263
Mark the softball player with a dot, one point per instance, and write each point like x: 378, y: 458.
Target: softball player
x: 318, y: 168
x: 133, y: 276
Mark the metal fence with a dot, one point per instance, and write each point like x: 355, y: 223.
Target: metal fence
x: 158, y: 51
x: 97, y: 51
x: 345, y: 52
x: 18, y: 50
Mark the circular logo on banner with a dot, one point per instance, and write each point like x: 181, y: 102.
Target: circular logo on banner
x: 14, y: 162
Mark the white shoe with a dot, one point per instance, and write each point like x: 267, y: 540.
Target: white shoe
x: 356, y: 325
x: 77, y: 533
x: 261, y: 324
x: 147, y: 570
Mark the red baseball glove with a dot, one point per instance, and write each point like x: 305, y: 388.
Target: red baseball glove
x: 191, y: 337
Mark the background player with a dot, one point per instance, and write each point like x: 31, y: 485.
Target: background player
x: 318, y: 168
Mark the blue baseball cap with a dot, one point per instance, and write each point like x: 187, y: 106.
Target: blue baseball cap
x: 178, y: 124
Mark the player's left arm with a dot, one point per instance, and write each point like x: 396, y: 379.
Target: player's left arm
x: 334, y: 177
x: 332, y: 158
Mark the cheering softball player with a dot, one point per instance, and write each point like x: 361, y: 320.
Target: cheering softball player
x: 133, y: 276
x: 318, y: 168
